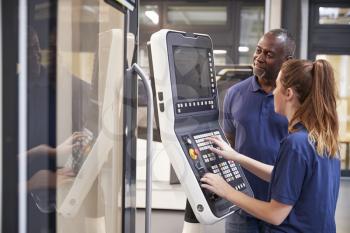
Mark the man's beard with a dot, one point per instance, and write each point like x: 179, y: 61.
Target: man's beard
x: 260, y: 73
x: 268, y: 77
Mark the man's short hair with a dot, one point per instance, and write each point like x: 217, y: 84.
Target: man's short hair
x: 289, y: 48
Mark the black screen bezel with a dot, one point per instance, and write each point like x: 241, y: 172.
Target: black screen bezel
x: 183, y: 40
x: 208, y: 91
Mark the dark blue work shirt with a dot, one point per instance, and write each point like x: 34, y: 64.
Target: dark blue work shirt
x: 250, y: 116
x: 307, y: 181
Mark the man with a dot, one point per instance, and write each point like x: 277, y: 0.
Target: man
x: 250, y: 122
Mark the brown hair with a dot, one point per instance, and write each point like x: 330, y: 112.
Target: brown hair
x: 315, y: 86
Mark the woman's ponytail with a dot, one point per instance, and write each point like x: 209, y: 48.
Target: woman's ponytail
x: 315, y: 85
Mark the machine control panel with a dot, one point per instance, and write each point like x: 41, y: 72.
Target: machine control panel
x: 203, y: 160
x: 183, y: 76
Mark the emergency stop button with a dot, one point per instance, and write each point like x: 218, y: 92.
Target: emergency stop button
x: 193, y: 153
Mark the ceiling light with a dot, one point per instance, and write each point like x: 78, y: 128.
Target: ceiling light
x: 220, y: 51
x: 243, y: 49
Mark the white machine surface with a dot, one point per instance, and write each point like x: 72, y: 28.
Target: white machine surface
x: 187, y: 107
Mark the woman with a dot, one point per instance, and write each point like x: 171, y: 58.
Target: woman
x: 304, y: 183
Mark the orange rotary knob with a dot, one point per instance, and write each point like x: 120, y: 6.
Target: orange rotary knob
x: 193, y: 153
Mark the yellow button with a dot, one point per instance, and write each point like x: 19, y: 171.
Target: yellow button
x: 193, y: 153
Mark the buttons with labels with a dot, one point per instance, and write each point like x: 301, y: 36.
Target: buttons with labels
x: 194, y: 106
x: 217, y: 164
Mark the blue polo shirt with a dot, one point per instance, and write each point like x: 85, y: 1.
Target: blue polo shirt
x: 308, y: 182
x: 249, y: 115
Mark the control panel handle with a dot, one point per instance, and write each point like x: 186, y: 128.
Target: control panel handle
x: 137, y: 69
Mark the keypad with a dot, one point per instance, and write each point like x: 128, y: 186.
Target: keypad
x: 81, y: 149
x: 217, y: 164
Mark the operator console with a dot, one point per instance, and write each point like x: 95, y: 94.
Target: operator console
x: 183, y: 75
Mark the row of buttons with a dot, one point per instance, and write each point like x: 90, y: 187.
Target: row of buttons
x: 228, y: 175
x: 232, y: 165
x: 205, y: 135
x: 226, y: 169
x: 195, y: 106
x: 195, y: 103
x: 237, y: 175
x: 204, y: 147
x: 224, y: 166
x: 209, y: 157
x: 234, y: 169
x: 216, y: 171
x: 204, y: 143
x: 211, y: 72
x: 240, y: 186
x: 161, y: 98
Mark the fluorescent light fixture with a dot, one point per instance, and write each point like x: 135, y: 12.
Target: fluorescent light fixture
x: 243, y: 49
x: 153, y: 16
x: 218, y: 51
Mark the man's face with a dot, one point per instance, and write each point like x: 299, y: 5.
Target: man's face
x: 268, y: 58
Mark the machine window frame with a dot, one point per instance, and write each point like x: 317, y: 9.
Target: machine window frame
x: 315, y: 15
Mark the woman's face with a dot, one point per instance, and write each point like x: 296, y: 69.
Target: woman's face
x: 279, y: 96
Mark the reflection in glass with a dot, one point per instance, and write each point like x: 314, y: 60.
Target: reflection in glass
x: 334, y: 15
x: 220, y: 56
x: 143, y: 58
x: 251, y: 29
x: 74, y: 118
x: 197, y: 15
x: 149, y: 15
x: 341, y: 65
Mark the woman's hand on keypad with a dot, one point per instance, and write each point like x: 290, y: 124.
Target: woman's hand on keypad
x: 223, y: 149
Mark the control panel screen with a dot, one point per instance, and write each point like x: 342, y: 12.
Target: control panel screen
x: 192, y: 72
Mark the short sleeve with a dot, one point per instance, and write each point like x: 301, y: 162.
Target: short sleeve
x: 228, y: 118
x: 289, y: 174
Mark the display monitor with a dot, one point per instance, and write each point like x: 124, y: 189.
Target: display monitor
x: 192, y: 72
